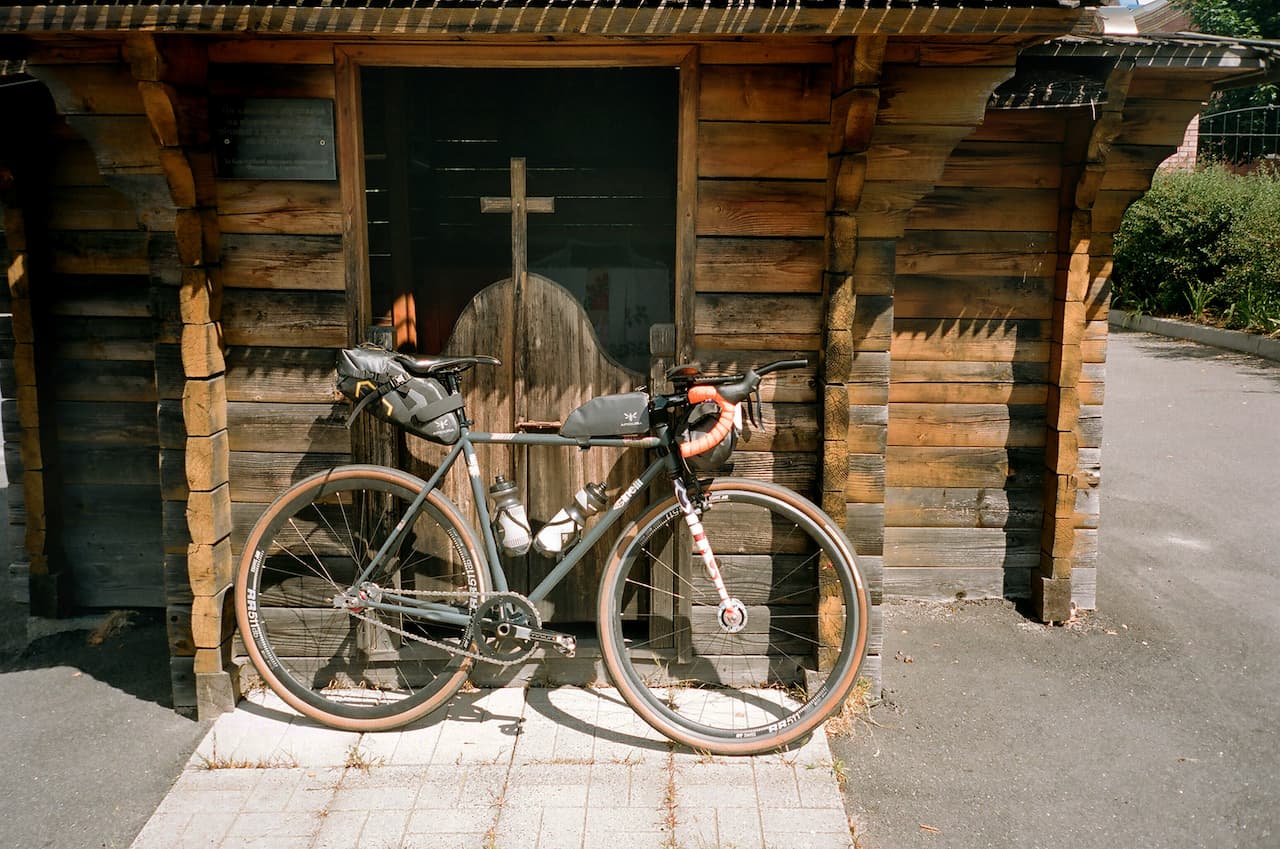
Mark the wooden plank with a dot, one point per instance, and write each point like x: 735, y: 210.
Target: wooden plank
x: 919, y: 296
x: 104, y: 252
x: 284, y: 319
x: 977, y: 254
x: 974, y: 425
x: 937, y: 584
x: 81, y: 423
x: 726, y: 314
x: 276, y: 51
x: 122, y: 144
x: 762, y: 50
x: 764, y: 92
x: 90, y: 208
x: 277, y: 208
x: 987, y: 209
x: 753, y: 208
x: 281, y: 375
x: 283, y: 262
x: 1015, y: 468
x: 971, y: 340
x: 106, y: 381
x: 961, y: 507
x: 288, y: 428
x: 1021, y: 165
x: 762, y: 151
x: 939, y: 96
x: 960, y: 548
x: 91, y: 88
x: 968, y: 393
x: 261, y: 476
x: 1037, y: 126
x: 758, y: 265
x: 271, y: 79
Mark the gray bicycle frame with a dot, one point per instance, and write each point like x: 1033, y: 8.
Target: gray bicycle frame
x: 465, y: 447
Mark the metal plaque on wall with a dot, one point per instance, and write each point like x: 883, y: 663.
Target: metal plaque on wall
x: 274, y: 138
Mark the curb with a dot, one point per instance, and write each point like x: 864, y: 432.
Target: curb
x: 1234, y: 340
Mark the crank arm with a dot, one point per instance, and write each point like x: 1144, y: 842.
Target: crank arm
x: 566, y: 644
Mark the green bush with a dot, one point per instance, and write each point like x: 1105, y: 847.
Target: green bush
x: 1206, y: 244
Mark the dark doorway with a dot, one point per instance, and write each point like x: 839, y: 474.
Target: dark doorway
x: 601, y: 142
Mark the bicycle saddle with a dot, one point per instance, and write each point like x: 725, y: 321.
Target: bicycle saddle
x: 436, y: 364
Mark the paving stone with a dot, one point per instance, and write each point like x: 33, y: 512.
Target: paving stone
x: 260, y: 825
x: 384, y: 828
x: 571, y: 767
x: 518, y: 828
x: 340, y: 830
x: 162, y: 829
x: 696, y: 827
x: 802, y: 828
x: 776, y: 785
x: 628, y: 821
x: 739, y: 827
x: 548, y: 785
x: 562, y: 828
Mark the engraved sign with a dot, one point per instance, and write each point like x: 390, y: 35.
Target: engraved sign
x: 274, y: 138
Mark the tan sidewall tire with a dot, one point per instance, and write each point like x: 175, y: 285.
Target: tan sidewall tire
x: 394, y: 476
x: 614, y: 654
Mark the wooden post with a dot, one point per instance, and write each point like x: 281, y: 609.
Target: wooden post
x: 49, y: 593
x: 888, y: 107
x: 1084, y: 166
x: 171, y: 75
x: 855, y: 99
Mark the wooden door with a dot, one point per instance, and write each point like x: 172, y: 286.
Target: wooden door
x: 551, y: 363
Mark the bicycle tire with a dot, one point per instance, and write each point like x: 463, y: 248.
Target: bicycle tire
x: 675, y: 663
x: 305, y: 549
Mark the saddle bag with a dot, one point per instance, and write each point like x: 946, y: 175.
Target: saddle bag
x: 372, y: 377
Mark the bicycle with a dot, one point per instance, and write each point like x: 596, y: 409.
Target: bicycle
x: 364, y: 597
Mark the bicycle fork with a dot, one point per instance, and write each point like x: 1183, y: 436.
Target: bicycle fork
x: 732, y: 613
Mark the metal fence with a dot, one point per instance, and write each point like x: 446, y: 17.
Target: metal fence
x: 1241, y: 136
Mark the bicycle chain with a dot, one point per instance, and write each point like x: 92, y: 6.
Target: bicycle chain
x: 467, y: 635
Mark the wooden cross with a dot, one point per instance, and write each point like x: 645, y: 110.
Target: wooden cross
x: 518, y: 206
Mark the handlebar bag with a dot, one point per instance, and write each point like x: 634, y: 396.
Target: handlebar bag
x: 373, y: 377
x: 702, y: 419
x: 626, y: 414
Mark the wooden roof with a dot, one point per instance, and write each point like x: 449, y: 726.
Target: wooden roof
x: 1073, y: 70
x: 563, y: 17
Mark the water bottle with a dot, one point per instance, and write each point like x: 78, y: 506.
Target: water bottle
x: 509, y: 518
x: 563, y: 529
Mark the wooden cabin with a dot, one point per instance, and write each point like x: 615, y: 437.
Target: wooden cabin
x: 203, y: 202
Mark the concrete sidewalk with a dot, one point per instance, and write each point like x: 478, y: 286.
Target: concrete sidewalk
x: 526, y: 769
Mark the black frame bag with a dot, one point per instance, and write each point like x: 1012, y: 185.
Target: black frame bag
x: 372, y: 377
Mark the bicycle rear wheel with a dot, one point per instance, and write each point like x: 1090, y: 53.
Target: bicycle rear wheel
x: 360, y: 669
x: 720, y: 683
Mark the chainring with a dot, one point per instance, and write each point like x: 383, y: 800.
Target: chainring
x: 491, y: 615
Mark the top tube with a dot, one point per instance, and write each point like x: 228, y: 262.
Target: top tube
x: 555, y: 440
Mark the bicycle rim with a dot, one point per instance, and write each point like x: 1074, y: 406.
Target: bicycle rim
x: 359, y: 670
x: 733, y: 689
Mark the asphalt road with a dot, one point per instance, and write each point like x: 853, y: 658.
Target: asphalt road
x: 1153, y: 722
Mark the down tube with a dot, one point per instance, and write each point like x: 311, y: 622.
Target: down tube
x: 606, y: 522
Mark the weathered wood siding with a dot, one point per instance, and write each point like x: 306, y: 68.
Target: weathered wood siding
x: 970, y: 353
x: 761, y: 203
x: 96, y: 314
x: 284, y: 309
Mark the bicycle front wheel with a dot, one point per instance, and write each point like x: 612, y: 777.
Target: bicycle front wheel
x: 354, y: 667
x: 761, y: 671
